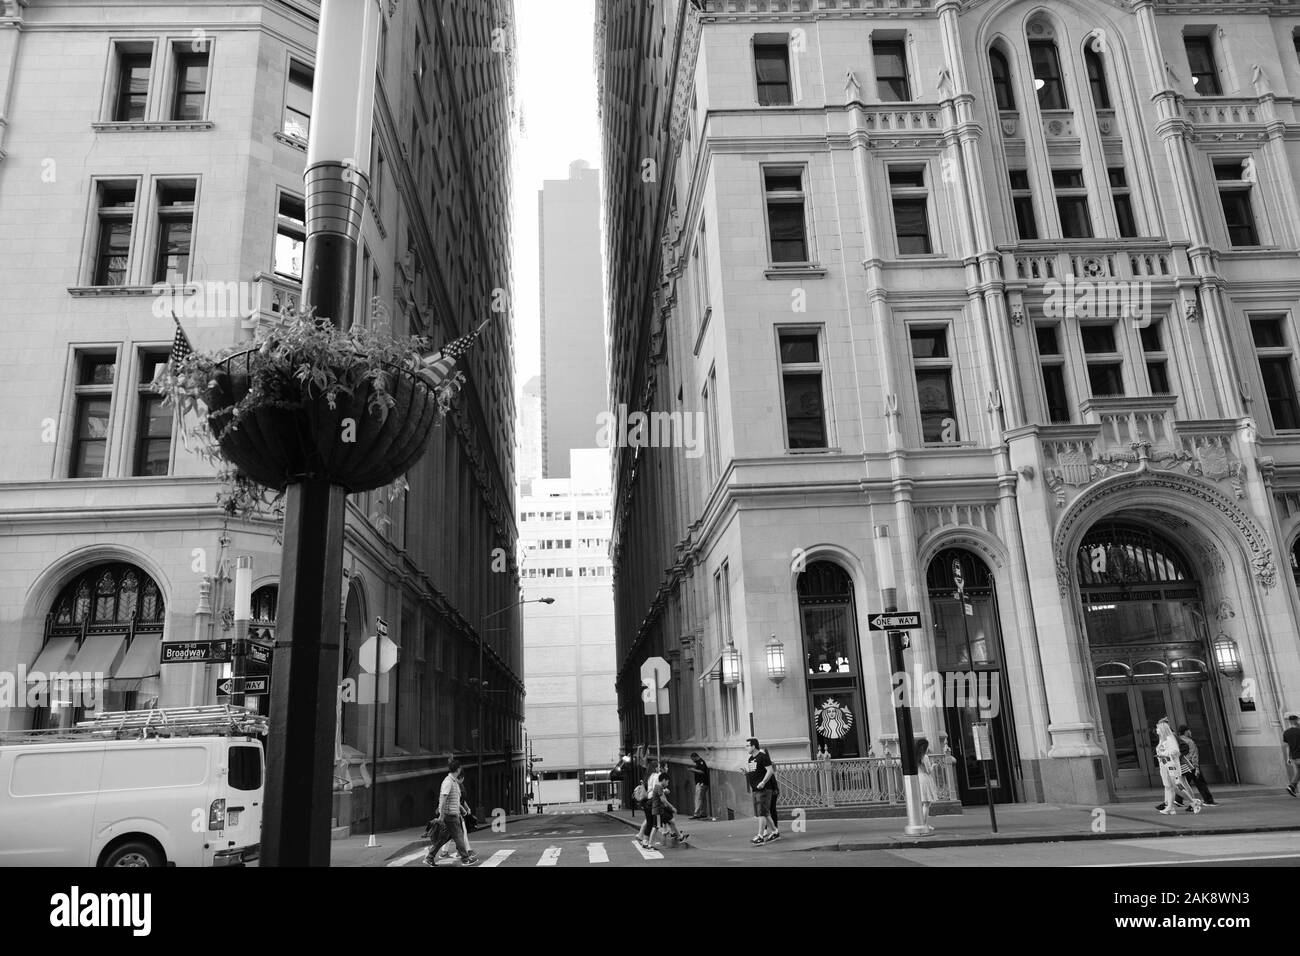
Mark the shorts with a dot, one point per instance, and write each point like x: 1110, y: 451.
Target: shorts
x: 762, y: 802
x: 665, y: 815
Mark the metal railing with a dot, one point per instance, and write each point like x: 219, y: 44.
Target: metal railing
x: 856, y: 781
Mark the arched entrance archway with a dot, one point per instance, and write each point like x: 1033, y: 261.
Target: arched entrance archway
x: 1149, y: 649
x: 971, y: 665
x: 828, y: 623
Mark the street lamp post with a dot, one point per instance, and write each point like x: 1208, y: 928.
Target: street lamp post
x: 478, y: 787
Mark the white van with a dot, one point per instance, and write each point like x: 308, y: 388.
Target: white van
x: 189, y: 800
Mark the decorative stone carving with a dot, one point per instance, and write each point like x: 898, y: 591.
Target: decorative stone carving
x: 852, y: 88
x: 1211, y: 559
x: 1224, y: 610
x: 1016, y: 308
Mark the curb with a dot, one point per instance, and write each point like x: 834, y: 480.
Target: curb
x: 1000, y: 840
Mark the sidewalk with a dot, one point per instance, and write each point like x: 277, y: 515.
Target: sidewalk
x: 1264, y: 811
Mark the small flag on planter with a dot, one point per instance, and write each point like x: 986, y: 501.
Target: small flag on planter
x: 180, y: 344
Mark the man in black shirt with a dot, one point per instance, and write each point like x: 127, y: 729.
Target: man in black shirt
x: 1291, y: 743
x: 703, y: 804
x: 758, y: 776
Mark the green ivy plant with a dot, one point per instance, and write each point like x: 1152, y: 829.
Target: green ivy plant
x: 294, y: 363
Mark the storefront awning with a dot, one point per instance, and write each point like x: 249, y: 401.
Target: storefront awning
x: 97, y: 656
x: 53, y: 657
x: 713, y: 671
x: 141, y: 661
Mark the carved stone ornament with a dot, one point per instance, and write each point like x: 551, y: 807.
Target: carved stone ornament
x: 1224, y: 610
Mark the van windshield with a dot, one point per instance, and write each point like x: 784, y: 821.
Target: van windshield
x: 245, y: 768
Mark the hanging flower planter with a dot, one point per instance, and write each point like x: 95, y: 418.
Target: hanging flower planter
x: 308, y: 401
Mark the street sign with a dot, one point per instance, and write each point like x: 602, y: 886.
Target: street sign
x: 259, y: 653
x: 957, y: 577
x: 655, y: 674
x: 228, y: 686
x: 537, y: 760
x: 381, y: 627
x: 983, y: 741
x: 195, y: 652
x: 902, y: 621
x: 366, y: 684
x: 379, y: 646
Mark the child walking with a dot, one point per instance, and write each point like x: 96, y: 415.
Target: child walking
x: 663, y: 811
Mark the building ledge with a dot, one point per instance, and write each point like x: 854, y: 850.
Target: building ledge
x: 291, y: 142
x: 802, y: 271
x: 154, y: 126
x: 84, y: 291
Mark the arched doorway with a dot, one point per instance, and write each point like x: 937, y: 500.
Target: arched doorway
x: 971, y: 663
x: 1149, y: 650
x: 828, y: 622
x: 105, y: 625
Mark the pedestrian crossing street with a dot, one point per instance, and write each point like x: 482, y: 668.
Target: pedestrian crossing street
x: 620, y: 852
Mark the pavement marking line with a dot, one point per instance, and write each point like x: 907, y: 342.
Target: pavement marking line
x: 550, y: 856
x: 647, y: 854
x: 596, y: 853
x: 1193, y: 862
x: 409, y: 858
x: 497, y: 858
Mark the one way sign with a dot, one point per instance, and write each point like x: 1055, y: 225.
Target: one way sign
x: 902, y: 621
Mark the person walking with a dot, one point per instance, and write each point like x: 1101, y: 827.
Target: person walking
x: 1291, y: 750
x: 775, y: 787
x: 450, y: 824
x: 703, y: 797
x: 1170, y: 756
x: 925, y: 774
x: 1193, y: 760
x: 661, y: 806
x: 758, y: 777
x: 465, y: 817
x: 642, y: 795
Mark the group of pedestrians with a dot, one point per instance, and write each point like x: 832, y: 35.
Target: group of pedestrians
x: 449, y: 825
x: 654, y: 799
x: 1180, y: 761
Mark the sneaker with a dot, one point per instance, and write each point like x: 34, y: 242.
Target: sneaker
x: 757, y: 840
x: 773, y: 836
x: 1209, y: 803
x: 430, y: 862
x: 471, y: 860
x: 681, y: 837
x: 1291, y: 790
x: 1160, y: 806
x: 1197, y: 806
x: 1169, y: 813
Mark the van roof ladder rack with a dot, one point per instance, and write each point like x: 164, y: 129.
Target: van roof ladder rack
x: 212, y: 720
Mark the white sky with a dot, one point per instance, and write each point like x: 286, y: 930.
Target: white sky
x: 557, y: 93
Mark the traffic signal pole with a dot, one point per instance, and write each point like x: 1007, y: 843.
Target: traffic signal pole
x: 902, y: 712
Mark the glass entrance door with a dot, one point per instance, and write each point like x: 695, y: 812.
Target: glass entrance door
x: 973, y: 782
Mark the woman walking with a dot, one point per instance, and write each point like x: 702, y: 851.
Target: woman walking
x: 1170, y: 755
x: 929, y: 792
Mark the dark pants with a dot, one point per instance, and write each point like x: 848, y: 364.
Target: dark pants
x: 1196, y: 778
x: 451, y: 829
x: 776, y: 795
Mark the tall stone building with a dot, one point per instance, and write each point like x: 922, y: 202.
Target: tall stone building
x: 1013, y: 286
x: 574, y: 385
x: 152, y: 158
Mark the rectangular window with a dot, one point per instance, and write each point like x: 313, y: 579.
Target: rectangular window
x: 132, y: 99
x: 377, y: 170
x: 1234, y: 196
x: 1047, y: 75
x: 1276, y: 367
x: 786, y: 226
x: 909, y: 197
x: 714, y: 451
x: 153, y: 432
x: 1096, y: 78
x: 1052, y: 362
x: 1105, y: 364
x: 116, y: 218
x: 297, y: 101
x: 801, y: 386
x: 191, y: 87
x: 1119, y: 191
x: 1072, y: 203
x: 1157, y: 359
x: 1200, y: 63
x: 290, y: 236
x: 93, y: 412
x: 932, y: 365
x: 891, y: 71
x: 772, y: 69
x: 175, y: 232
x: 1022, y: 204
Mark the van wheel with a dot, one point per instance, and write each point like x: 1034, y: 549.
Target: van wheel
x: 133, y: 853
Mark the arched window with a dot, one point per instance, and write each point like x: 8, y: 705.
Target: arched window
x: 1047, y: 75
x: 1096, y: 76
x: 262, y: 626
x: 830, y: 642
x: 102, y: 636
x: 1002, y: 91
x: 1114, y: 554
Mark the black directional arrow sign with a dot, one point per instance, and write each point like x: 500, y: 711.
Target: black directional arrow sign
x: 902, y: 621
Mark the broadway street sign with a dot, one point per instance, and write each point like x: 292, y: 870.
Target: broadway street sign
x: 195, y: 652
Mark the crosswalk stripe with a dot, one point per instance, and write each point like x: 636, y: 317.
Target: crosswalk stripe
x: 647, y: 854
x: 409, y: 858
x: 550, y: 856
x: 499, y: 857
x: 596, y: 853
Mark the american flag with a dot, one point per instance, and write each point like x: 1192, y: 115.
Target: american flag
x: 180, y: 344
x: 439, y: 364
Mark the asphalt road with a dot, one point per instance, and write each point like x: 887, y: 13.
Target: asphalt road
x: 593, y: 840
